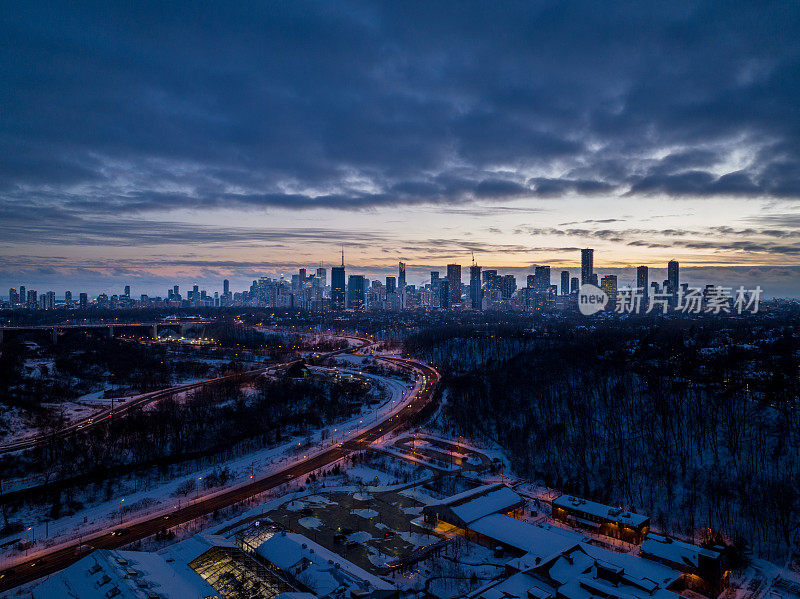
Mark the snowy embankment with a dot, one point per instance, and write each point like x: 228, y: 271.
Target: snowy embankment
x: 95, y: 521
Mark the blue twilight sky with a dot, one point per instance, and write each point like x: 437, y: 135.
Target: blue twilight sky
x: 147, y: 143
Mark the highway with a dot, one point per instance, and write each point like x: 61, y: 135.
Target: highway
x: 146, y: 398
x: 49, y: 562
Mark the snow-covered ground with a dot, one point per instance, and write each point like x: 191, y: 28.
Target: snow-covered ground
x: 157, y: 498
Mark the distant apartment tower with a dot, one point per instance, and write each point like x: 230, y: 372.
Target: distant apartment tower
x: 509, y: 286
x: 643, y: 282
x: 337, y: 288
x: 355, y: 292
x: 444, y: 294
x: 673, y: 277
x: 574, y: 285
x: 454, y: 284
x: 541, y: 279
x: 226, y: 287
x: 83, y: 301
x: 475, y: 290
x: 391, y: 284
x: 127, y: 291
x: 564, y: 282
x: 609, y: 286
x: 401, y: 275
x: 587, y: 266
x: 322, y: 277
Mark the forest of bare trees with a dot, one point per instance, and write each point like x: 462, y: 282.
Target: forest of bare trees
x: 695, y: 424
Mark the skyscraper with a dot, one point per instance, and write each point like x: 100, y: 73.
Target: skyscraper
x: 434, y: 279
x: 475, y: 291
x: 509, y: 286
x: 444, y: 294
x: 68, y: 299
x: 127, y: 291
x: 564, y: 282
x: 83, y: 301
x: 673, y: 281
x: 673, y: 276
x: 587, y: 266
x: 643, y: 282
x: 401, y: 275
x: 609, y: 286
x: 355, y: 292
x: 391, y: 284
x: 541, y: 279
x: 337, y: 287
x: 322, y: 277
x: 454, y: 284
x: 574, y: 285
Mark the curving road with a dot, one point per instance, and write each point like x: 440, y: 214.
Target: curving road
x: 147, y: 398
x: 47, y: 563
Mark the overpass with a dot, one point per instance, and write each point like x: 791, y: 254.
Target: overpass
x: 182, y: 325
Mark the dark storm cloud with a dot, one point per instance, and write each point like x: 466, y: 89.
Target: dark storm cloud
x: 137, y: 107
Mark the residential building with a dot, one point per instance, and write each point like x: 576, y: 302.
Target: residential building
x: 475, y: 289
x: 643, y: 282
x: 454, y: 284
x: 355, y: 292
x: 587, y: 266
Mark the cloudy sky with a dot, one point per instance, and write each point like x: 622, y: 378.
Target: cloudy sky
x: 152, y: 143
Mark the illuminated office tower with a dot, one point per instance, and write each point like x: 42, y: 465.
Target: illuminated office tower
x: 454, y: 284
x: 643, y: 282
x: 475, y: 291
x: 587, y: 266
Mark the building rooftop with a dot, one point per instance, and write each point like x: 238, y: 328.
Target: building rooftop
x: 537, y: 541
x: 321, y: 570
x: 676, y: 552
x: 479, y: 502
x: 600, y: 510
x: 134, y: 574
x: 585, y: 572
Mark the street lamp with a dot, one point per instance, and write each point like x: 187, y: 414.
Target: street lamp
x: 199, y: 478
x: 120, y: 509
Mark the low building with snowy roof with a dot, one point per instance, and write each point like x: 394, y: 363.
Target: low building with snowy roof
x: 319, y: 570
x: 199, y: 567
x: 604, y: 519
x: 533, y: 543
x: 704, y: 569
x: 464, y: 508
x: 584, y: 572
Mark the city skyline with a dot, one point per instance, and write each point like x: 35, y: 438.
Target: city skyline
x: 420, y: 136
x: 307, y: 289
